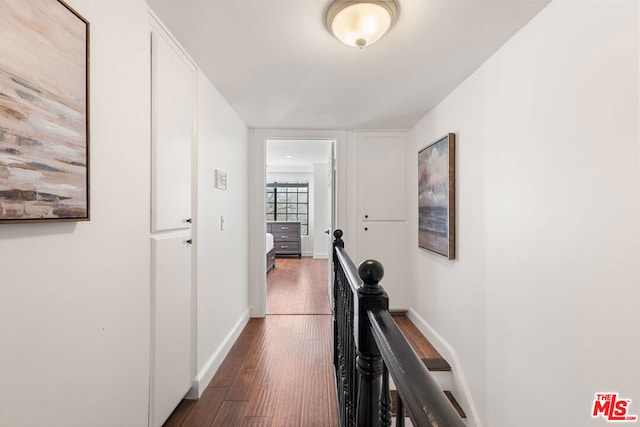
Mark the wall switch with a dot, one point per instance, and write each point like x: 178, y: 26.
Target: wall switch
x: 221, y: 179
x: 222, y: 223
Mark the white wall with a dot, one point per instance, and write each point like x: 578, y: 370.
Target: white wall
x: 222, y: 260
x: 74, y: 298
x: 541, y: 305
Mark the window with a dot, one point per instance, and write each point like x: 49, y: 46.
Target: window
x: 289, y: 201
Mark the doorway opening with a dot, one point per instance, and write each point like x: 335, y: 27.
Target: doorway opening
x: 299, y: 215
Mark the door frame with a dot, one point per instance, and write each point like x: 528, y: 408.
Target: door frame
x: 257, y: 292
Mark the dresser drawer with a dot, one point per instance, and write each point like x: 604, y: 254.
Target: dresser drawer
x: 291, y: 227
x: 285, y: 247
x: 285, y: 236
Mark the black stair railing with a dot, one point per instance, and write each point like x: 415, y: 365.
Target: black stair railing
x: 368, y: 347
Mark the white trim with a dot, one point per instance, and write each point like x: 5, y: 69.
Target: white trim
x: 459, y: 382
x: 257, y: 182
x: 206, y: 374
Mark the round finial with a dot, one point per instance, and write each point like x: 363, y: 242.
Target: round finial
x: 338, y: 234
x: 371, y: 272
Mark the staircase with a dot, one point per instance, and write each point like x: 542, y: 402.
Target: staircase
x: 431, y: 358
x: 371, y: 352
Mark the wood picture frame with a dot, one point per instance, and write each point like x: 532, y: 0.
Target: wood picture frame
x: 436, y: 196
x: 44, y: 112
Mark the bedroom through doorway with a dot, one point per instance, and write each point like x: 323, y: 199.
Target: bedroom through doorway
x: 299, y: 205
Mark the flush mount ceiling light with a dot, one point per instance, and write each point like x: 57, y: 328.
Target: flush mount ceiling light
x: 361, y: 23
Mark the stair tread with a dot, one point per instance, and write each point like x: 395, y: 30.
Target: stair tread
x: 455, y: 404
x: 432, y: 359
x: 437, y: 364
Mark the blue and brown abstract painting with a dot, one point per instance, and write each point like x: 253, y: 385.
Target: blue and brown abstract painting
x: 436, y: 197
x: 44, y: 134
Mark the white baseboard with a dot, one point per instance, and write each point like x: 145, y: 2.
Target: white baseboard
x: 320, y: 255
x: 206, y: 374
x: 459, y: 382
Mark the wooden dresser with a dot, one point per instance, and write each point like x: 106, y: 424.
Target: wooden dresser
x: 287, y: 238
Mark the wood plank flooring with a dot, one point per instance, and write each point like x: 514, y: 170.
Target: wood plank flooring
x: 279, y: 372
x: 298, y: 286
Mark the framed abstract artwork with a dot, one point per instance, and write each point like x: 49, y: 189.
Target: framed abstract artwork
x: 44, y: 112
x: 436, y: 197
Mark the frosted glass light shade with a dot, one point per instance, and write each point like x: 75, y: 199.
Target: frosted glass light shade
x: 360, y: 24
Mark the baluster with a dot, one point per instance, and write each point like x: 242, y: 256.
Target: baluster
x: 399, y: 411
x: 385, y: 399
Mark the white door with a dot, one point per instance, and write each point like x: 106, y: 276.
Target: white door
x: 382, y: 209
x: 172, y: 321
x: 172, y: 136
x: 170, y: 324
x: 381, y: 177
x: 333, y: 220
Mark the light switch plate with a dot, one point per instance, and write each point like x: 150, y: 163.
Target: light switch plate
x: 221, y: 180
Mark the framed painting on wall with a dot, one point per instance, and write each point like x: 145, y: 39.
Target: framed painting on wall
x: 436, y: 197
x: 44, y: 112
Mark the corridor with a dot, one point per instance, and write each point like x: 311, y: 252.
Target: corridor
x: 279, y: 372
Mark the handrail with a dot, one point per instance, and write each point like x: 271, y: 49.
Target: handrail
x: 349, y: 268
x: 427, y: 404
x: 368, y: 346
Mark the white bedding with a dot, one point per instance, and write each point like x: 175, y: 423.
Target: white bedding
x: 269, y: 242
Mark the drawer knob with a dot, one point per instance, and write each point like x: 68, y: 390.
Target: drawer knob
x: 189, y: 242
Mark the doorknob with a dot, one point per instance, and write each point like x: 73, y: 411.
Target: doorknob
x: 327, y: 231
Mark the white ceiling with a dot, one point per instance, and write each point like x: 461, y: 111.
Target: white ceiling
x: 279, y: 67
x: 292, y: 153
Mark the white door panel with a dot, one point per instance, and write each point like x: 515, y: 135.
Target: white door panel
x: 171, y: 324
x: 385, y: 242
x: 172, y: 138
x: 381, y: 177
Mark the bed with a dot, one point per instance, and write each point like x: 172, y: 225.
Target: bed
x: 271, y: 252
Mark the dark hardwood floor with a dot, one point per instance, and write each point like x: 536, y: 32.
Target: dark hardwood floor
x: 298, y: 286
x: 279, y: 372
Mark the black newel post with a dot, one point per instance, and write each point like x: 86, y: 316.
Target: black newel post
x: 369, y: 360
x: 337, y: 243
